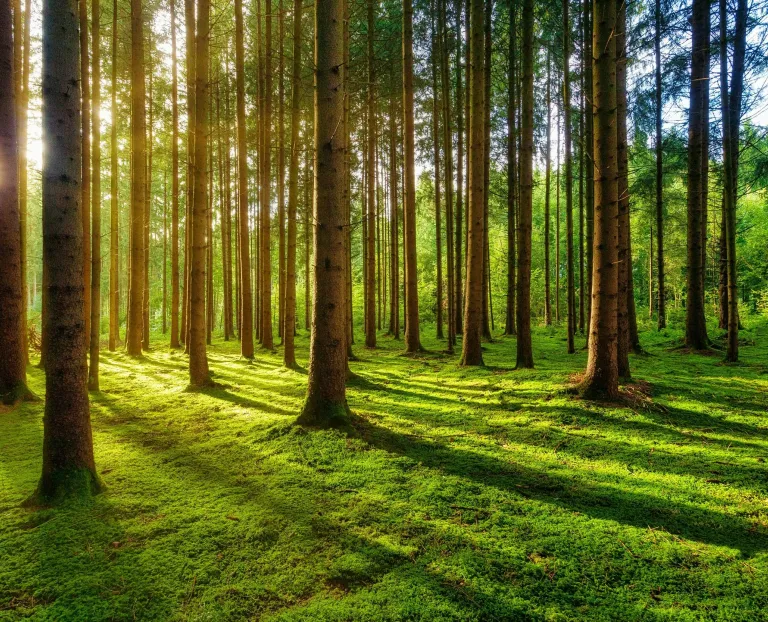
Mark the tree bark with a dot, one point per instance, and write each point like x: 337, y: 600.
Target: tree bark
x: 13, y: 372
x: 438, y: 189
x: 509, y: 328
x: 698, y: 116
x: 524, y: 346
x: 394, y: 316
x: 472, y: 353
x: 114, y: 217
x: 199, y: 375
x: 601, y: 377
x: 175, y: 343
x: 68, y: 464
x: 412, y: 340
x: 326, y: 403
x: 547, y: 178
x: 266, y: 193
x: 589, y: 146
x: 138, y: 182
x: 370, y: 162
x: 95, y: 326
x: 662, y: 319
x: 246, y: 300
x: 625, y: 260
x: 85, y: 188
x: 487, y: 311
x: 281, y: 172
x: 569, y: 267
x: 459, y: 266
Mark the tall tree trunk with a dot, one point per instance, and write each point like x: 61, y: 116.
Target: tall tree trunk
x: 569, y: 267
x: 370, y: 214
x: 487, y: 312
x: 281, y: 172
x: 472, y: 353
x: 13, y: 365
x: 582, y: 96
x: 412, y: 340
x: 625, y: 260
x: 698, y: 116
x: 558, y: 245
x: 85, y: 188
x: 289, y: 351
x: 22, y: 105
x: 165, y: 251
x: 394, y: 315
x: 662, y: 319
x: 438, y: 188
x: 149, y: 196
x: 524, y: 346
x: 443, y: 53
x: 114, y: 216
x: 458, y: 268
x: 246, y: 300
x: 266, y: 192
x: 175, y: 343
x: 509, y: 328
x: 138, y: 182
x: 198, y: 361
x: 93, y: 369
x: 68, y: 464
x: 547, y: 184
x: 589, y: 146
x: 326, y: 403
x: 227, y: 241
x: 602, y: 376
x: 189, y: 19
x: 731, y: 121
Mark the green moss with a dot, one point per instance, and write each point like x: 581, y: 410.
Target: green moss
x: 463, y: 493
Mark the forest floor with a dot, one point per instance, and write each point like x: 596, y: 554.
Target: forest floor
x: 465, y: 494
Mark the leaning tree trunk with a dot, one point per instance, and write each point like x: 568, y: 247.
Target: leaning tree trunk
x: 68, y: 464
x: 412, y: 341
x: 601, y: 380
x: 698, y: 116
x: 326, y: 403
x: 524, y: 346
x: 289, y: 329
x: 13, y: 373
x: 138, y: 182
x: 198, y: 361
x: 472, y: 353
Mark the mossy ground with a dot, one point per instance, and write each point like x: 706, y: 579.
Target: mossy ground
x: 464, y: 494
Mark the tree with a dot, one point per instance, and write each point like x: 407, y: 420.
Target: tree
x: 266, y: 193
x: 509, y: 328
x: 601, y: 380
x: 370, y: 215
x: 93, y: 369
x: 731, y: 110
x: 472, y: 353
x: 412, y: 341
x: 459, y: 241
x: 436, y: 108
x: 662, y: 319
x: 68, y: 464
x: 698, y: 160
x: 135, y: 327
x: 569, y: 269
x: 289, y: 351
x: 244, y: 245
x: 13, y: 364
x: 524, y: 346
x: 198, y: 361
x: 326, y: 403
x: 85, y: 188
x: 175, y: 342
x: 547, y: 184
x: 114, y: 223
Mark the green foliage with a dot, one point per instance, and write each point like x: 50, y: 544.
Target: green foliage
x: 484, y: 494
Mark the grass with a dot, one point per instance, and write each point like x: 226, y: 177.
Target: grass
x: 466, y: 494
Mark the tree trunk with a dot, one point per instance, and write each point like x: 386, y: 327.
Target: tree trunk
x: 509, y: 328
x: 246, y: 300
x: 370, y: 214
x: 731, y: 121
x: 138, y: 182
x: 13, y: 372
x: 68, y: 464
x: 394, y: 314
x: 624, y: 265
x: 281, y: 173
x: 114, y: 217
x: 93, y: 369
x: 472, y: 353
x: 22, y: 105
x: 189, y: 18
x: 326, y: 403
x: 547, y: 178
x: 662, y: 319
x: 698, y: 116
x: 569, y: 267
x: 174, y: 185
x: 458, y: 268
x: 602, y: 377
x: 589, y: 146
x: 85, y: 188
x: 438, y: 188
x: 443, y: 53
x: 524, y: 346
x: 487, y: 311
x: 149, y: 194
x: 198, y: 361
x: 266, y: 193
x: 412, y: 341
x: 289, y: 352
